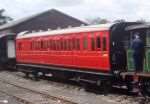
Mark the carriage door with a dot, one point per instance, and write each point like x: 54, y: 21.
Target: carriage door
x: 130, y: 53
x: 147, y: 52
x: 130, y: 61
x: 11, y: 49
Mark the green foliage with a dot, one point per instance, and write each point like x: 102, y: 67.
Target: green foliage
x: 120, y: 20
x: 3, y: 18
x: 97, y: 20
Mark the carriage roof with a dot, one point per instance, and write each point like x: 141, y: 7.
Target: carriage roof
x: 91, y: 28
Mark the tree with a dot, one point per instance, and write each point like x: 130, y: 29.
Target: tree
x: 120, y: 20
x: 3, y: 18
x: 141, y: 20
x: 97, y: 20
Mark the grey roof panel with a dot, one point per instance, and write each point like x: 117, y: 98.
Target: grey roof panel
x: 138, y: 26
x: 52, y: 11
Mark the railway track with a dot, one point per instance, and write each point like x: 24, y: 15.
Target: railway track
x: 21, y: 100
x: 28, y: 96
x: 117, y: 96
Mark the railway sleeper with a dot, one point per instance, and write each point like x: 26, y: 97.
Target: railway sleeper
x: 144, y: 85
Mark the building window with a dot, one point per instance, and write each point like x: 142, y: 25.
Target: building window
x: 104, y: 43
x: 98, y: 41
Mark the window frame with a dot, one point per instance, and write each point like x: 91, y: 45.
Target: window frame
x: 85, y: 43
x: 104, y: 43
x: 98, y: 43
x: 92, y: 40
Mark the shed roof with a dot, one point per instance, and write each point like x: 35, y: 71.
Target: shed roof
x: 53, y: 15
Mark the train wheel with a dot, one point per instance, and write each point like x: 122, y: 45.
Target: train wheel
x: 129, y: 87
x: 145, y: 88
x: 35, y: 76
x: 106, y: 86
x: 26, y: 75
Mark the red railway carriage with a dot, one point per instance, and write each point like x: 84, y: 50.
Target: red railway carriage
x: 89, y: 52
x: 86, y: 48
x: 95, y: 54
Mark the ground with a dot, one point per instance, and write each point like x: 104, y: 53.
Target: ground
x: 61, y: 90
x: 6, y: 99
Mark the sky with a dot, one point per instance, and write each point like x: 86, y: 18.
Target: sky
x: 130, y: 10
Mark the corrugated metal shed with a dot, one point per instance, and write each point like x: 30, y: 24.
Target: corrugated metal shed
x: 42, y: 21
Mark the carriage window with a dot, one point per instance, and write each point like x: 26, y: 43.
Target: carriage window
x: 92, y: 43
x: 41, y: 44
x: 44, y: 44
x: 78, y: 44
x: 57, y: 44
x: 47, y: 44
x: 65, y: 44
x: 98, y: 45
x: 73, y: 44
x: 31, y: 45
x: 61, y: 45
x: 104, y: 43
x: 59, y: 41
x: 38, y: 45
x: 85, y: 43
x: 68, y: 44
x: 50, y: 43
x: 20, y: 46
x: 148, y: 38
x: 35, y: 45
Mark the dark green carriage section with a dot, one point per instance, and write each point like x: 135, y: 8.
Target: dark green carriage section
x: 130, y: 60
x: 6, y: 49
x: 148, y: 60
x: 146, y: 39
x: 146, y: 67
